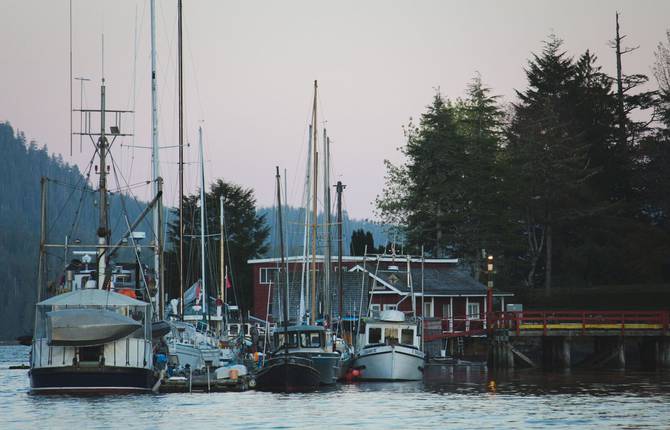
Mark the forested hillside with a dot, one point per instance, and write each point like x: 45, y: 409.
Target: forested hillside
x: 71, y: 212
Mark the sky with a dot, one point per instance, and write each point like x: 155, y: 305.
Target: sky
x: 249, y: 68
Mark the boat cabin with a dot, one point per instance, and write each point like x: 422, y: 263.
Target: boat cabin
x: 390, y: 329
x: 300, y: 337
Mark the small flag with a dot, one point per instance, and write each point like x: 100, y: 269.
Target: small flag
x: 228, y: 284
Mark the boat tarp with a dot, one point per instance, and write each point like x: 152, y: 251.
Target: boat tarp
x: 91, y: 297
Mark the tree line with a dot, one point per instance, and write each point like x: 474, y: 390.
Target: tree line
x: 567, y: 185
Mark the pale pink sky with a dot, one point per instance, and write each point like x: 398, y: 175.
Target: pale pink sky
x: 250, y: 66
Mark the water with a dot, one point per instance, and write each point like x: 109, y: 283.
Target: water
x: 451, y: 397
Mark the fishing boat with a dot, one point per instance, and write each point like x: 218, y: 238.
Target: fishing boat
x: 94, y: 334
x: 287, y: 370
x: 391, y: 349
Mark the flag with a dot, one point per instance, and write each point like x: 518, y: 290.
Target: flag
x: 228, y: 284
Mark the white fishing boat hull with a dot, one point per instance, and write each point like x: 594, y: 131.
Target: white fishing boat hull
x: 195, y: 356
x: 390, y: 363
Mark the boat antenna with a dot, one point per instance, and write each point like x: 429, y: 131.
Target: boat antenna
x: 181, y: 158
x: 281, y: 265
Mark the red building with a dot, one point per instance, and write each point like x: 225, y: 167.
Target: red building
x: 442, y: 290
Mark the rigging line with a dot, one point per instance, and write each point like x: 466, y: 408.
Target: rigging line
x: 132, y: 238
x: 62, y: 209
x: 230, y: 259
x: 194, y: 70
x: 134, y: 198
x: 75, y: 221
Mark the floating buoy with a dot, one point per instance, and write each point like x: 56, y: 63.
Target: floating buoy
x: 233, y: 374
x: 355, y: 373
x: 492, y: 386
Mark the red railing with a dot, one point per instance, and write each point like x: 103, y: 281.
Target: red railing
x: 580, y: 321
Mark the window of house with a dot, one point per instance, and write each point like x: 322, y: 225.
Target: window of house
x: 446, y: 310
x: 267, y: 274
x: 375, y: 335
x: 407, y: 336
x: 390, y: 307
x: 391, y: 336
x: 473, y: 310
x: 428, y: 309
x: 375, y: 308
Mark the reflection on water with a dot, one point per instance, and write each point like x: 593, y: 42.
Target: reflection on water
x: 450, y: 397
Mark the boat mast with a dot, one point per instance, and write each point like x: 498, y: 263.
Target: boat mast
x: 103, y: 232
x: 223, y: 260
x: 155, y: 168
x: 281, y: 265
x: 314, y: 208
x: 326, y: 224
x: 339, y: 188
x: 203, y: 208
x: 181, y: 160
x: 305, y: 279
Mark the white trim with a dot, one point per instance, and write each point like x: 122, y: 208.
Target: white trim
x: 349, y: 258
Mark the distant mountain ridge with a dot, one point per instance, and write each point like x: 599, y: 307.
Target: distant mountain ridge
x: 71, y: 211
x: 294, y: 220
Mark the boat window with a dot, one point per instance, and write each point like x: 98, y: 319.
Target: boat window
x: 233, y: 329
x: 391, y: 336
x: 407, y: 336
x: 312, y: 340
x: 292, y: 340
x: 375, y: 335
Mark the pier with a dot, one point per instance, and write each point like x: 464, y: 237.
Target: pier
x: 565, y: 339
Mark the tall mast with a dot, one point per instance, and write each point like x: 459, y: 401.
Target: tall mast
x: 326, y: 224
x: 203, y: 208
x: 103, y: 232
x: 304, y: 284
x: 223, y: 257
x: 339, y: 188
x: 155, y: 164
x: 314, y: 208
x: 281, y: 265
x: 181, y: 161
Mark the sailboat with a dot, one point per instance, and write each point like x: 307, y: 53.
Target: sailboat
x: 96, y: 335
x: 319, y: 341
x: 287, y: 370
x: 197, y: 345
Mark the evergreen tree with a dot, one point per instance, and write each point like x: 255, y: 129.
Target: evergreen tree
x: 246, y: 235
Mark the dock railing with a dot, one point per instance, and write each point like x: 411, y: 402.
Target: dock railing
x: 579, y: 321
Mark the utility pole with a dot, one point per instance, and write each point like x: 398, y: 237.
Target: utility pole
x: 489, y: 291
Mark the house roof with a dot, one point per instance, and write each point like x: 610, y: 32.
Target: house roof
x: 447, y: 282
x: 399, y: 259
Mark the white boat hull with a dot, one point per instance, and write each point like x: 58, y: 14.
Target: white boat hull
x: 195, y: 356
x: 390, y: 363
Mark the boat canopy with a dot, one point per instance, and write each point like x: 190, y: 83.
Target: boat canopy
x: 92, y: 297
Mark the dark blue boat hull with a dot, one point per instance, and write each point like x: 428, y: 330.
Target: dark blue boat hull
x: 90, y: 380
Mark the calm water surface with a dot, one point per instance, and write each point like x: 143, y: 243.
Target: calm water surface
x: 451, y: 397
